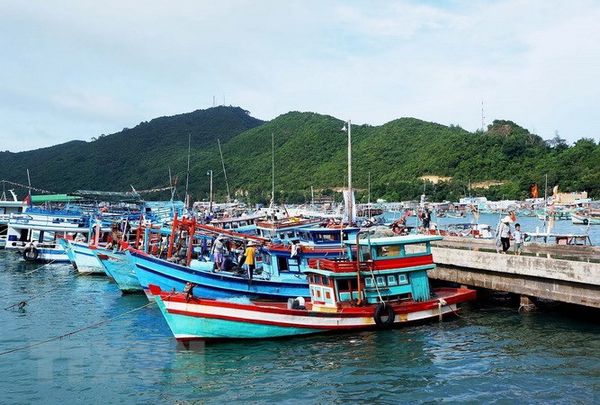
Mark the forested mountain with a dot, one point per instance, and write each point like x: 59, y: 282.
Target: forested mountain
x: 140, y: 156
x: 310, y: 150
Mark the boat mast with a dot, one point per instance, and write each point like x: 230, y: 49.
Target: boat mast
x: 29, y: 187
x: 272, y: 169
x: 350, y: 208
x: 369, y: 197
x: 187, y: 177
x: 210, y: 173
x: 546, y: 201
x: 224, y: 171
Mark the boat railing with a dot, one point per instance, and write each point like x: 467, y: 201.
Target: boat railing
x: 335, y: 265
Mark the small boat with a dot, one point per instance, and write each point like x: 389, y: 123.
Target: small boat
x: 385, y: 286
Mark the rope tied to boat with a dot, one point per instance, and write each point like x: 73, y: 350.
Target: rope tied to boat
x: 441, y: 303
x: 41, y: 267
x: 94, y: 325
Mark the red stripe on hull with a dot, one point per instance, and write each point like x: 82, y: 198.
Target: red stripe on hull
x: 450, y: 296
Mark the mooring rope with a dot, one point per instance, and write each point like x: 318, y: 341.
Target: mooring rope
x: 39, y: 268
x: 52, y: 339
x: 22, y: 304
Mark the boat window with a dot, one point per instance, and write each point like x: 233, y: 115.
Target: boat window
x: 415, y: 248
x: 391, y: 280
x: 389, y: 251
x: 402, y: 279
x: 324, y: 280
x: 380, y: 281
x: 368, y: 282
x: 330, y: 238
x: 365, y: 253
x: 327, y: 295
x: 282, y: 263
x: 318, y: 291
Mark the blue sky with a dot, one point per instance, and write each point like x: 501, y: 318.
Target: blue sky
x: 78, y: 69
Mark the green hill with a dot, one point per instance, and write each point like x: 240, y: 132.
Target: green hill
x: 310, y: 150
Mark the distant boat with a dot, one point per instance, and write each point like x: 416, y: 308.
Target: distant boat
x: 583, y: 219
x: 386, y: 286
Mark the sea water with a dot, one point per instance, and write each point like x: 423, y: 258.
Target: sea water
x: 491, y: 353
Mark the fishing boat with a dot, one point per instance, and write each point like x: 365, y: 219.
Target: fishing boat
x: 83, y: 256
x: 117, y: 266
x: 383, y: 286
x: 172, y: 268
x: 36, y: 232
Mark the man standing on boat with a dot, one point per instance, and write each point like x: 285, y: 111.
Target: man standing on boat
x: 250, y: 260
x: 426, y: 220
x: 218, y: 251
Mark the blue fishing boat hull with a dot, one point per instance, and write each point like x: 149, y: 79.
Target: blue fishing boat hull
x: 118, y: 267
x: 173, y: 277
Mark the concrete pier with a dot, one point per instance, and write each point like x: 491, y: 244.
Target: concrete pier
x: 570, y: 281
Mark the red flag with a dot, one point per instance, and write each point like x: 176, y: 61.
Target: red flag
x: 534, y: 191
x: 27, y: 200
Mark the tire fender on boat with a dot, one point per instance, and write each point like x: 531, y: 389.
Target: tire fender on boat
x: 30, y: 254
x: 384, y: 315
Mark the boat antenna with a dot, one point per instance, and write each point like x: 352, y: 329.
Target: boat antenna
x: 187, y: 177
x: 224, y: 171
x: 3, y: 198
x: 272, y: 170
x: 482, y: 119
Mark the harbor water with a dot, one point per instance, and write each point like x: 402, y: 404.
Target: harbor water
x: 123, y: 351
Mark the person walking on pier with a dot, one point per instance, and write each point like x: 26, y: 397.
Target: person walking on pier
x: 518, y: 237
x: 504, y: 233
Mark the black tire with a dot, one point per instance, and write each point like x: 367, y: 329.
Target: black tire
x: 384, y: 316
x: 30, y: 254
x: 585, y: 221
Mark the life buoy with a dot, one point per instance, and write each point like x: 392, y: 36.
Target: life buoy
x: 384, y: 315
x: 30, y: 254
